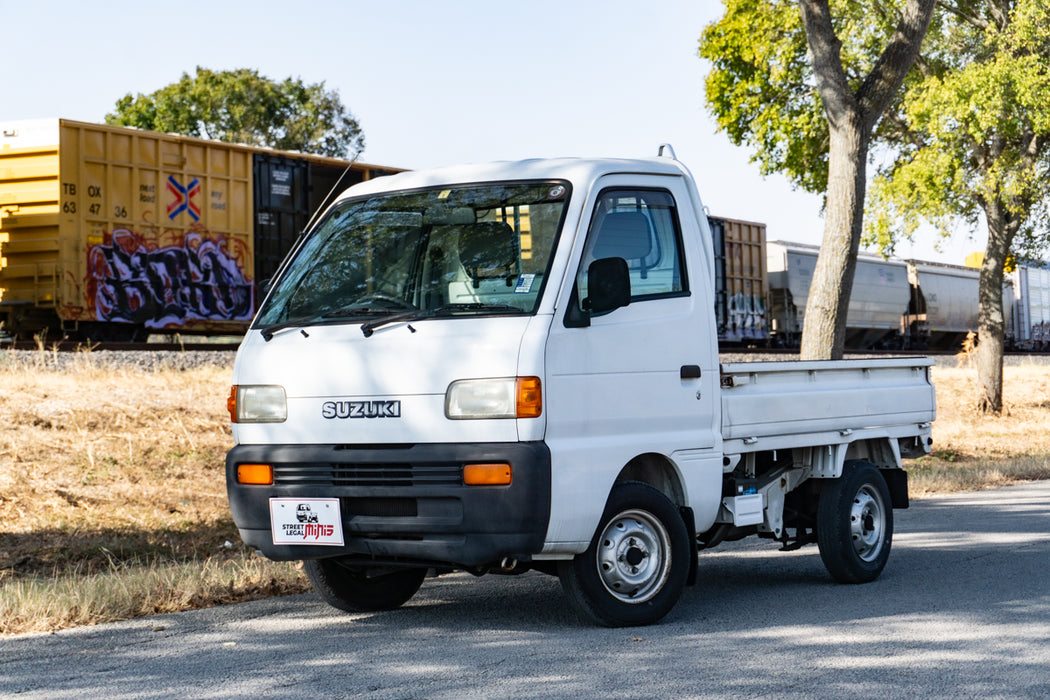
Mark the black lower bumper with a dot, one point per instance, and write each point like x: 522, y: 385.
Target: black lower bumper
x: 402, y: 504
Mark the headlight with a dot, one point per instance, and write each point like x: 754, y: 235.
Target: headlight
x: 509, y: 397
x: 257, y: 404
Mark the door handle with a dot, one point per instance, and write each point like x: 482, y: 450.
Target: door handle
x: 690, y: 372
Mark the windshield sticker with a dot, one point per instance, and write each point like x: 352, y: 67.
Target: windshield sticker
x: 524, y: 284
x: 556, y: 192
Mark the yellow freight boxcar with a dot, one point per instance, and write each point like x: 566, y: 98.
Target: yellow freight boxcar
x: 110, y: 232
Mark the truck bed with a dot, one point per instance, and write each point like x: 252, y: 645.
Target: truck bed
x: 777, y: 405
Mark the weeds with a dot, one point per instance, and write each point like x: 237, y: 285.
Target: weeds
x: 110, y: 478
x: 974, y: 451
x: 73, y: 598
x: 968, y: 354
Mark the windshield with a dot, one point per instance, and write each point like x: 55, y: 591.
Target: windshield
x: 477, y: 249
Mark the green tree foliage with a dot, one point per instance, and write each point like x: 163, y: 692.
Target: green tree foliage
x: 972, y: 139
x: 804, y: 83
x: 241, y: 106
x: 761, y: 92
x: 761, y: 89
x: 973, y: 132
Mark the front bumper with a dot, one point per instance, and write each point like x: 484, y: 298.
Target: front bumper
x: 402, y: 503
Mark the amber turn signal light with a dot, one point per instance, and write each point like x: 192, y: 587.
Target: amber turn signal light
x: 258, y: 474
x: 530, y: 397
x: 486, y: 475
x: 231, y: 404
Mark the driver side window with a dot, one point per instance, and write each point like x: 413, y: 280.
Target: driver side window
x: 640, y: 226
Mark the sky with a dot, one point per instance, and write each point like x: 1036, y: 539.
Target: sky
x: 431, y: 83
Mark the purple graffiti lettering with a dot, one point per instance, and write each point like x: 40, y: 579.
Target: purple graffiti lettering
x: 168, y: 286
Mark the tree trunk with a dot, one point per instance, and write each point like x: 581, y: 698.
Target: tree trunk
x: 851, y: 117
x: 824, y: 324
x: 991, y: 320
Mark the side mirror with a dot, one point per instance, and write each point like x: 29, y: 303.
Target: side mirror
x: 608, y: 285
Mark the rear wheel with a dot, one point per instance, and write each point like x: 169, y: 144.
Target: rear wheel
x: 637, y: 564
x: 855, y: 524
x: 358, y: 589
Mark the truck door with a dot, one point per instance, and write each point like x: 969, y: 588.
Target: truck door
x: 640, y: 382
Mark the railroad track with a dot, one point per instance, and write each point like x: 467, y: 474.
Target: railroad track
x: 81, y: 346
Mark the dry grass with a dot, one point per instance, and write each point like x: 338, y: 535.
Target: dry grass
x: 113, y: 496
x: 112, y: 489
x: 72, y: 599
x: 130, y: 461
x: 973, y: 451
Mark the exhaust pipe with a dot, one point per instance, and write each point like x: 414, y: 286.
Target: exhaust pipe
x: 508, y: 564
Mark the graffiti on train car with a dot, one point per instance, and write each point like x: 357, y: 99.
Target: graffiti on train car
x: 130, y: 280
x: 747, y: 316
x: 1040, y: 335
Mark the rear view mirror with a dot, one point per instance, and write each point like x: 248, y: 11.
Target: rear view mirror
x: 608, y: 285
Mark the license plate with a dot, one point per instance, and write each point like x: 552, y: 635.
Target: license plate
x: 306, y: 521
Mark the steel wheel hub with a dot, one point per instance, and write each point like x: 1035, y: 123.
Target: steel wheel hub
x: 634, y: 556
x: 867, y: 523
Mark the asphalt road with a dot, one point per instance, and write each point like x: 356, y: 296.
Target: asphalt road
x: 962, y: 610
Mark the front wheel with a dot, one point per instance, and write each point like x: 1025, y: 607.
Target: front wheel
x: 357, y: 589
x: 855, y: 524
x: 635, y: 568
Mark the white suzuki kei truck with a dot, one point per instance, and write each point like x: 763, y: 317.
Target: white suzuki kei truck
x: 514, y: 366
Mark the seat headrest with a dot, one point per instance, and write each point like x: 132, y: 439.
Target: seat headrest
x: 488, y: 247
x: 624, y: 234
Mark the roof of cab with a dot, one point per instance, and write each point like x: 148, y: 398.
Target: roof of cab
x: 578, y: 171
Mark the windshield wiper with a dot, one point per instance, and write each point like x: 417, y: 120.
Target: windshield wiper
x: 480, y: 306
x: 268, y: 332
x: 381, y: 317
x: 344, y: 313
x: 368, y: 328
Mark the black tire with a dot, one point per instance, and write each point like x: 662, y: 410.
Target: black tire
x: 855, y: 524
x: 353, y: 589
x: 636, y: 566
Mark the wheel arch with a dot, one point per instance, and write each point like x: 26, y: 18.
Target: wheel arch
x: 827, y: 461
x: 657, y: 471
x: 883, y: 452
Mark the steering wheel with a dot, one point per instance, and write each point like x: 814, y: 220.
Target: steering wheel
x: 390, y: 299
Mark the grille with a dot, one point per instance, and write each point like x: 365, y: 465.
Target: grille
x: 369, y: 474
